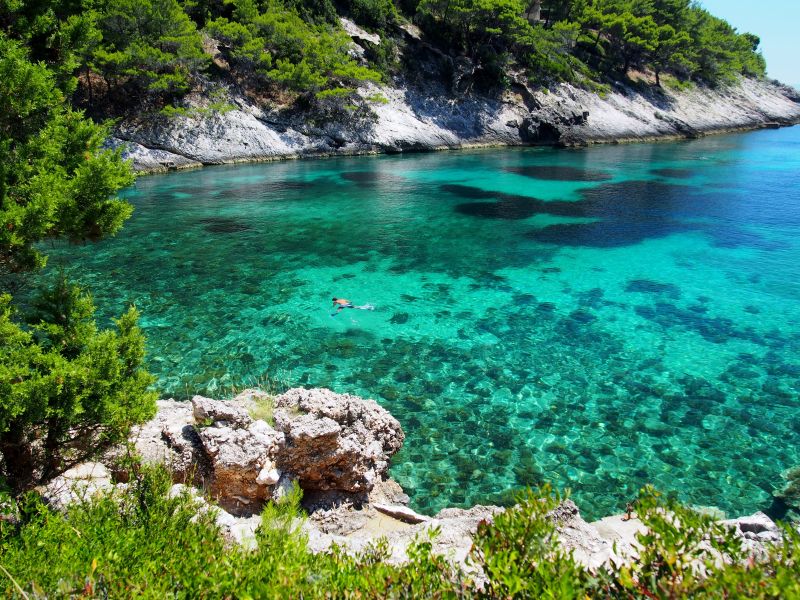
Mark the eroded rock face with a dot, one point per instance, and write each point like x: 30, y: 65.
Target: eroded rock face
x: 337, y: 447
x: 239, y: 453
x: 354, y: 531
x: 433, y: 113
x: 335, y: 441
x: 757, y: 532
x: 169, y: 438
x: 79, y: 484
x: 327, y: 442
x: 590, y: 548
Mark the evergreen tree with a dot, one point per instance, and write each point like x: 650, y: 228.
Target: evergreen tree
x: 67, y: 390
x: 152, y: 44
x: 274, y: 45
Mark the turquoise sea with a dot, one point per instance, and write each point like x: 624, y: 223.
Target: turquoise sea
x: 598, y: 318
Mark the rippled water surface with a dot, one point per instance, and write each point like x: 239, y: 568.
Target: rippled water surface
x: 597, y: 318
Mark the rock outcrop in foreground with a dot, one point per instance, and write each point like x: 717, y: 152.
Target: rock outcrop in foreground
x: 329, y: 443
x: 337, y: 448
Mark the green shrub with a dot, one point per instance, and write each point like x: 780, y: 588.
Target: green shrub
x: 377, y: 14
x: 151, y: 43
x: 273, y: 44
x: 69, y: 391
x: 520, y: 554
x: 263, y: 409
x: 142, y: 543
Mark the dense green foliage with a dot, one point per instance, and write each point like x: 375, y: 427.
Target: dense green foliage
x: 67, y: 390
x: 158, y: 50
x: 54, y: 178
x: 571, y: 38
x: 143, y: 544
x: 274, y: 44
x: 150, y: 44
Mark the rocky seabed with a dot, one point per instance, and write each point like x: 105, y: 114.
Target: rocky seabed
x: 337, y: 448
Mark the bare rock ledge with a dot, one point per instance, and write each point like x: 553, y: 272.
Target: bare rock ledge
x: 337, y: 448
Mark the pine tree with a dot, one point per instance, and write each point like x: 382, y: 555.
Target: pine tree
x: 67, y: 389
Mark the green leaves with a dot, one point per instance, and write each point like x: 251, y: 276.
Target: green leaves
x: 274, y: 45
x: 55, y: 180
x: 151, y: 43
x: 65, y: 382
x: 520, y: 554
x: 143, y: 542
x: 68, y: 390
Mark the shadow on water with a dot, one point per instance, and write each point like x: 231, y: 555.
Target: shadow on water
x: 557, y: 173
x: 620, y: 214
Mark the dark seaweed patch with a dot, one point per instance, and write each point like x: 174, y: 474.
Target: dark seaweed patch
x: 582, y: 316
x: 603, y: 234
x: 369, y: 178
x: 469, y: 191
x: 591, y: 298
x: 399, y: 318
x: 224, y: 225
x: 497, y: 210
x: 625, y: 213
x: 504, y: 206
x: 647, y: 286
x: 736, y: 237
x: 555, y: 173
x: 717, y: 330
x: 674, y: 173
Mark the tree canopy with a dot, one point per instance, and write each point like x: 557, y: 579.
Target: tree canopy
x: 562, y: 39
x: 55, y: 180
x: 67, y: 389
x: 158, y: 50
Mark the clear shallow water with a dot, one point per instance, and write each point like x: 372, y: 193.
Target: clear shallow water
x: 597, y: 318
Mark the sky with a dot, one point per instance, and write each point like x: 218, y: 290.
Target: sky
x: 776, y: 22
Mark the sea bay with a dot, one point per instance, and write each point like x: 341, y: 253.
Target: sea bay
x: 599, y: 318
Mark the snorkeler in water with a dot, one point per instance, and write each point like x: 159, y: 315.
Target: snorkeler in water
x: 342, y: 303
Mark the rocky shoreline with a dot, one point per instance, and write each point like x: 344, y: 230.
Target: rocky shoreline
x: 424, y: 120
x: 337, y: 449
x: 430, y: 106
